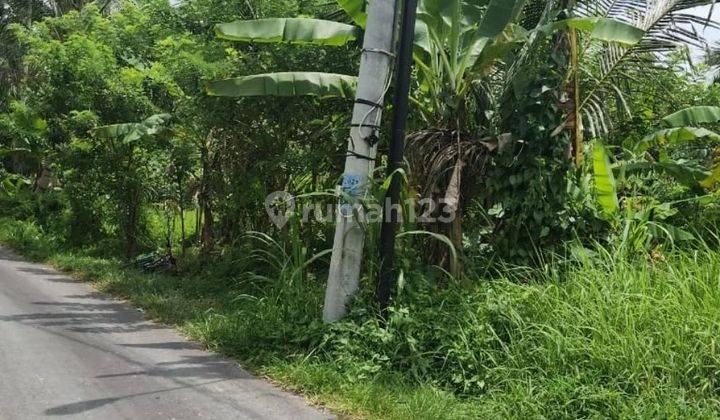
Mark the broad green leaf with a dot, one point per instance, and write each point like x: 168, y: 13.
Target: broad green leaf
x: 605, y: 185
x: 115, y: 130
x: 713, y: 180
x: 475, y: 22
x: 133, y: 131
x: 499, y: 14
x: 602, y: 29
x: 356, y: 10
x: 286, y: 84
x: 294, y: 31
x: 155, y: 123
x: 422, y: 36
x: 608, y: 30
x: 688, y: 175
x: 676, y: 135
x: 694, y: 116
x: 437, y: 14
x: 451, y: 35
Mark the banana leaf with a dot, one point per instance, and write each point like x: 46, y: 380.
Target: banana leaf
x: 673, y: 136
x: 499, y: 14
x: 323, y: 85
x: 694, y: 116
x: 461, y: 29
x: 605, y: 184
x: 687, y: 175
x: 356, y: 10
x: 133, y: 131
x: 604, y: 29
x: 294, y: 31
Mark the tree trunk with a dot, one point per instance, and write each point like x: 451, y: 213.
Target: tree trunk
x: 567, y: 46
x: 131, y: 244
x: 375, y: 72
x: 182, y: 230
x: 198, y: 220
x: 206, y: 235
x: 181, y: 209
x: 170, y: 229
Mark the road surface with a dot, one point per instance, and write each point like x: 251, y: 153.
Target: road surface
x: 67, y: 351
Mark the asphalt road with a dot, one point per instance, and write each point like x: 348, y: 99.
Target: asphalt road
x: 67, y: 351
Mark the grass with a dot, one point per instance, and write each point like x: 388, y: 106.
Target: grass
x: 599, y: 336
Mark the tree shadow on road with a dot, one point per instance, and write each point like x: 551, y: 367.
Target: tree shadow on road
x: 84, y: 319
x: 82, y: 406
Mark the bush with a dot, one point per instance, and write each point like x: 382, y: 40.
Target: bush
x: 602, y: 336
x: 27, y: 237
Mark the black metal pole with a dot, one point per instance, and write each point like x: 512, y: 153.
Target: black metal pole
x: 391, y: 219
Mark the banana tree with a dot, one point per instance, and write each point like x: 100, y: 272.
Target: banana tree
x: 369, y: 89
x: 643, y: 221
x: 123, y: 148
x: 682, y: 128
x: 24, y: 135
x: 296, y: 31
x: 467, y: 50
x: 686, y: 127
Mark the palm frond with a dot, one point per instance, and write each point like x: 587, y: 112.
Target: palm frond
x: 433, y: 155
x: 668, y: 27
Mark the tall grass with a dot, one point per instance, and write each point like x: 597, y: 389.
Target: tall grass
x: 601, y: 334
x: 612, y: 337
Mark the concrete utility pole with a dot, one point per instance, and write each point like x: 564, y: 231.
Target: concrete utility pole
x: 374, y: 80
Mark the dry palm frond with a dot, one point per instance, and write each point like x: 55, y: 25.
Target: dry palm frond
x: 445, y: 163
x: 433, y: 154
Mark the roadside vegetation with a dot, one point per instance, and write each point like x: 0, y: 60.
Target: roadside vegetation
x: 595, y: 333
x: 577, y: 140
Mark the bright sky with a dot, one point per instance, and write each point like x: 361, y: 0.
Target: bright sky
x: 713, y: 35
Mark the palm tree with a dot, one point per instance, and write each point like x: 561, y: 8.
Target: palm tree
x: 461, y: 77
x: 459, y: 43
x: 661, y: 27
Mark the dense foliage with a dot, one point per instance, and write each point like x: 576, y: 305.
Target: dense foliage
x: 127, y: 129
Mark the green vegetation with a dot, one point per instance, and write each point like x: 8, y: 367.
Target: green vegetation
x: 573, y: 140
x: 596, y: 334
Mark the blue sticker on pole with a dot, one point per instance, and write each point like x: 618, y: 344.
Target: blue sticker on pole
x: 351, y: 186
